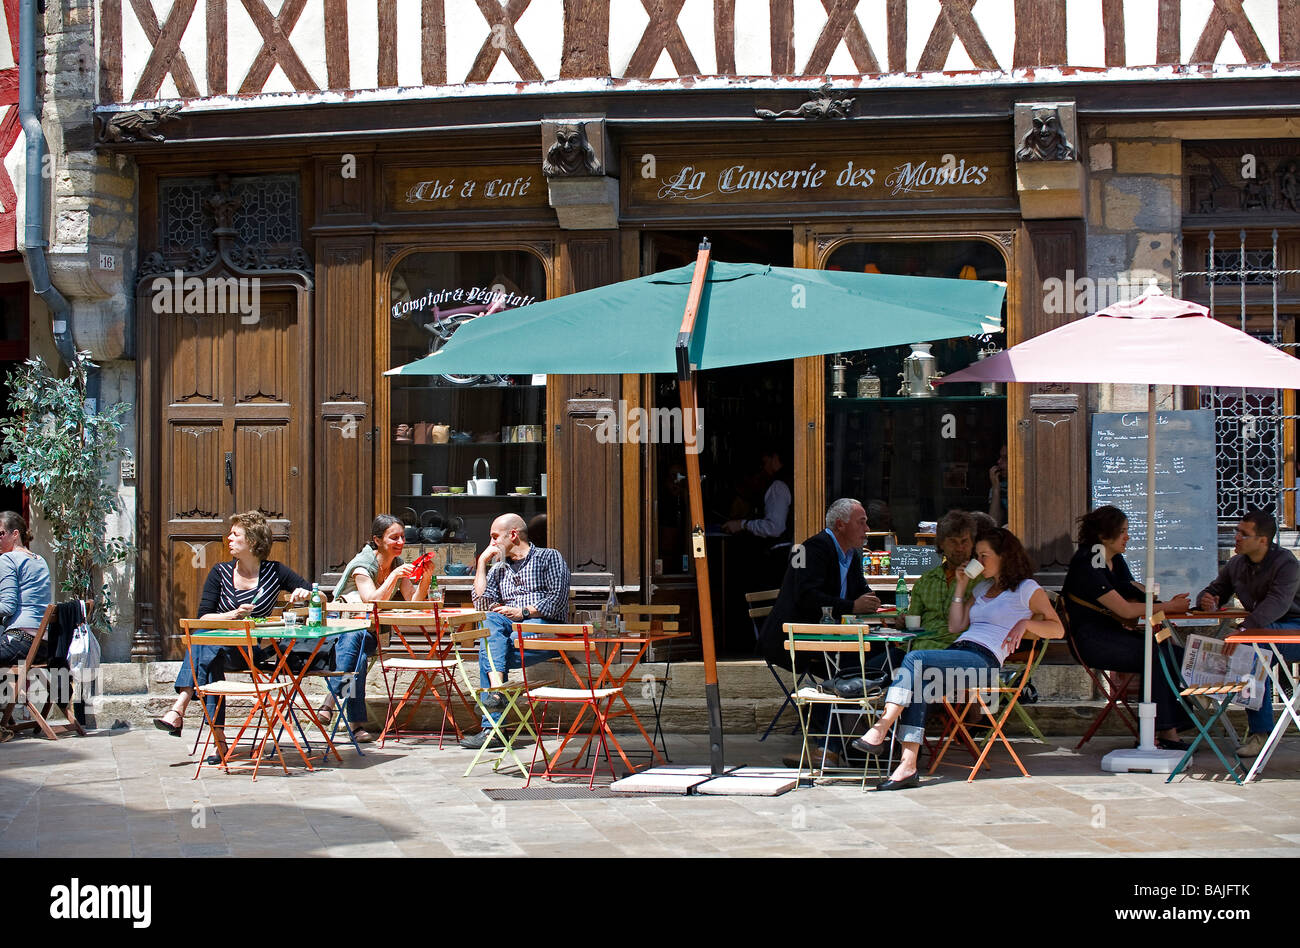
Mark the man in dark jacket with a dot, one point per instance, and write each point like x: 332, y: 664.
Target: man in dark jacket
x: 825, y: 570
x: 1266, y: 580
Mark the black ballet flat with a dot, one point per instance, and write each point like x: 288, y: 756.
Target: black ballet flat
x: 878, y: 750
x: 906, y: 783
x: 173, y: 729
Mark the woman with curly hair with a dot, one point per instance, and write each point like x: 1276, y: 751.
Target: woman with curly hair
x: 1005, y: 604
x: 248, y: 585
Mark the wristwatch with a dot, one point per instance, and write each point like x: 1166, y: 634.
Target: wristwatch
x: 525, y: 612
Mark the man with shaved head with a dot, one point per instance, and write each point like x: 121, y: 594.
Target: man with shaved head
x: 526, y: 584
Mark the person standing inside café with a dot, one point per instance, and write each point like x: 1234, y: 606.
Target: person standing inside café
x: 1266, y: 581
x: 527, y: 583
x: 772, y: 532
x: 824, y: 571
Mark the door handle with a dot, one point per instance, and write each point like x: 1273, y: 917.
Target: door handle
x: 230, y: 468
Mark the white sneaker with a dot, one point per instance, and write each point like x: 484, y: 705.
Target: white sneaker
x: 1253, y: 745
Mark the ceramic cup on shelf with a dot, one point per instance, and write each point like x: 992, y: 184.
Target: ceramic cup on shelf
x: 543, y: 490
x: 417, y: 485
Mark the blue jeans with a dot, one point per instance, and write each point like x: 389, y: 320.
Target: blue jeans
x: 930, y: 675
x: 502, y: 653
x: 1261, y: 721
x: 211, y: 662
x: 352, y: 648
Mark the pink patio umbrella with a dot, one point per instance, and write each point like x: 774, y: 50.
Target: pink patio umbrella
x: 1152, y: 340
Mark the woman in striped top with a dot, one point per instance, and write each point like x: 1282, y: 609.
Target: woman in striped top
x: 247, y: 585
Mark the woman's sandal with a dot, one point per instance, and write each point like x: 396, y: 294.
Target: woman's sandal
x: 173, y: 729
x: 325, y: 715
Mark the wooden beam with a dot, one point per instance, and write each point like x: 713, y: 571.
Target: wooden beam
x: 338, y: 68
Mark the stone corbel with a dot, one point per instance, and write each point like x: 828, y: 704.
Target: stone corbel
x: 94, y: 283
x: 1049, y: 175
x: 576, y: 162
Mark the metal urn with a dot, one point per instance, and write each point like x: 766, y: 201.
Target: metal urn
x: 989, y: 388
x: 839, y: 377
x: 919, y: 370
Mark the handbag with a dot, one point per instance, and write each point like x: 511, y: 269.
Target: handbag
x: 83, y: 656
x: 853, y: 686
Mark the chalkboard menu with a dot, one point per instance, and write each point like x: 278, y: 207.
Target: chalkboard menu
x: 913, y: 560
x: 1186, y: 517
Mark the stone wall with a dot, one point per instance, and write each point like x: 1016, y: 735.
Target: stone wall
x: 1134, y: 220
x: 92, y: 234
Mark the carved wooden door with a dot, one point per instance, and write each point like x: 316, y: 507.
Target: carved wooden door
x: 234, y: 396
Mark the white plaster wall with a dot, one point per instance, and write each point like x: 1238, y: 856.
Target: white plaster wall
x: 542, y: 25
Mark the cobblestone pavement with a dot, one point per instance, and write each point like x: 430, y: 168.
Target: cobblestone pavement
x: 130, y: 793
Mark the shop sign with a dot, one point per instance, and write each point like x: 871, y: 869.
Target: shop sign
x: 414, y: 190
x: 893, y: 178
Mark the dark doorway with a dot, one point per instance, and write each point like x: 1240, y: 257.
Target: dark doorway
x: 747, y: 411
x: 14, y: 346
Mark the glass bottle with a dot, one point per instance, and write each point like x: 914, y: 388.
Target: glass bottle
x: 315, y: 606
x: 902, y: 599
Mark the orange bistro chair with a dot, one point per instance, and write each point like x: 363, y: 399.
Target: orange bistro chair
x: 995, y: 704
x: 573, y: 643
x: 412, y: 641
x: 270, y: 703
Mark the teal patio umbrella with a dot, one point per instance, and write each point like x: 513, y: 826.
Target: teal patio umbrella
x: 707, y: 316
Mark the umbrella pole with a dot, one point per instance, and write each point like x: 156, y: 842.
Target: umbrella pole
x: 1147, y: 708
x: 713, y: 701
x: 693, y: 436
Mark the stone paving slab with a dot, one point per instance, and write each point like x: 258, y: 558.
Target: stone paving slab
x: 129, y: 793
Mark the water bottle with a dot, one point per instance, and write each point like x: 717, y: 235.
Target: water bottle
x: 315, y: 606
x: 610, y: 623
x: 901, y: 598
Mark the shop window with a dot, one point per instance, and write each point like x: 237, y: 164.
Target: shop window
x: 908, y: 452
x: 448, y: 430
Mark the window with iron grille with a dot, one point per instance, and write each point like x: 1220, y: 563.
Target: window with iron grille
x: 1245, y: 286
x: 267, y: 217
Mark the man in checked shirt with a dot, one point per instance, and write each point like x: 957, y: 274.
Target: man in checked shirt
x: 526, y: 584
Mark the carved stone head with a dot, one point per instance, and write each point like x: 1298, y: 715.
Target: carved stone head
x: 1044, y: 136
x: 570, y: 152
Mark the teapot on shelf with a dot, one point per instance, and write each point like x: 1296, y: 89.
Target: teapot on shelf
x: 485, y: 486
x: 431, y: 527
x: 443, y: 530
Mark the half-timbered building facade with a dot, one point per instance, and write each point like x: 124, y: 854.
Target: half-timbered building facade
x: 319, y: 190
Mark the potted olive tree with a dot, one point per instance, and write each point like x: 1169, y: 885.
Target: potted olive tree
x: 58, y: 447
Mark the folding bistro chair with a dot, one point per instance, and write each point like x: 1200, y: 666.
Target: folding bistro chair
x: 466, y: 632
x: 411, y: 640
x: 995, y: 703
x: 846, y: 717
x: 649, y: 620
x: 1118, y: 688
x: 270, y: 703
x: 57, y: 688
x: 760, y: 605
x: 575, y: 641
x: 1218, y: 697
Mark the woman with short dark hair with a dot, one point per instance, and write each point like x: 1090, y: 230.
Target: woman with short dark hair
x: 1103, y: 604
x: 248, y: 585
x: 1006, y: 604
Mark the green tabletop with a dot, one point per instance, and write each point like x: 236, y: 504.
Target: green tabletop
x: 278, y: 630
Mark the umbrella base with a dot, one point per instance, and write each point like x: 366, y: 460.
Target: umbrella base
x: 1141, y: 760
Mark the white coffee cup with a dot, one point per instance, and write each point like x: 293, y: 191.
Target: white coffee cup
x: 913, y: 622
x: 973, y: 569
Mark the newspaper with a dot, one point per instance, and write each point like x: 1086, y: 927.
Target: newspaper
x: 1206, y: 662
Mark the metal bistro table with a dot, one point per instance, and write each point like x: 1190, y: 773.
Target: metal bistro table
x: 284, y: 639
x: 1257, y: 639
